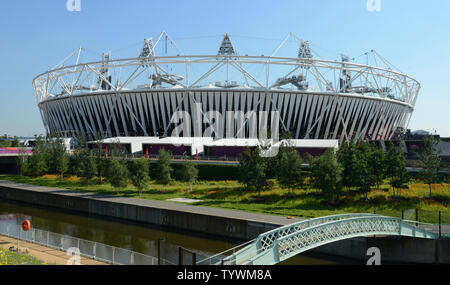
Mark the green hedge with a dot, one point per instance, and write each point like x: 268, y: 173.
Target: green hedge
x: 206, y: 172
x: 217, y: 172
x: 442, y: 177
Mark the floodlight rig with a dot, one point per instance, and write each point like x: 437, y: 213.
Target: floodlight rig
x: 104, y: 73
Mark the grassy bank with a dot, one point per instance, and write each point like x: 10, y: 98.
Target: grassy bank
x: 308, y: 202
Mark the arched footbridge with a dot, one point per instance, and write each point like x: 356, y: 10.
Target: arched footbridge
x: 287, y: 241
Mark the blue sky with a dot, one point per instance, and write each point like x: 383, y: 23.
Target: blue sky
x: 414, y: 35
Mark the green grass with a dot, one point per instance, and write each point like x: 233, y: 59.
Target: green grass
x: 308, y: 203
x: 13, y: 258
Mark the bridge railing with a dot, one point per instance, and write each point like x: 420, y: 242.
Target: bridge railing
x: 315, y: 236
x: 219, y: 258
x: 246, y: 248
x: 90, y: 249
x: 269, y: 242
x: 298, y: 237
x: 265, y: 241
x: 353, y: 227
x: 254, y: 247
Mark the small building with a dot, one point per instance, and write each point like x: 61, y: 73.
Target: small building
x: 209, y: 147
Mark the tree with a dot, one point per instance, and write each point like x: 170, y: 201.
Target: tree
x: 116, y: 149
x: 290, y: 174
x: 101, y: 159
x: 102, y: 164
x: 99, y: 145
x: 62, y: 164
x: 75, y: 164
x: 80, y: 142
x: 37, y: 163
x: 79, y: 153
x: 5, y: 142
x: 377, y: 163
x: 21, y: 159
x: 163, y: 167
x: 396, y: 169
x: 117, y: 174
x: 399, y: 180
x: 58, y: 158
x: 346, y: 156
x: 15, y: 142
x: 326, y: 175
x: 188, y: 172
x: 390, y: 159
x: 49, y: 156
x: 88, y: 167
x: 364, y: 177
x: 252, y: 169
x: 272, y: 162
x: 139, y: 174
x: 430, y: 161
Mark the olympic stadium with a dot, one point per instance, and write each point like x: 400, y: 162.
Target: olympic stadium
x: 220, y: 103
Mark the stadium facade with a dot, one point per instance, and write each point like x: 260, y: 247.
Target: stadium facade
x: 211, y: 103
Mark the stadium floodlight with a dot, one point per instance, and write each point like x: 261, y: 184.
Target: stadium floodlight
x: 316, y: 98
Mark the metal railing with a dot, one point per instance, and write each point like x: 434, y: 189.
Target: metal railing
x: 219, y: 257
x: 176, y: 157
x: 280, y: 244
x: 434, y: 221
x: 264, y: 242
x: 90, y: 249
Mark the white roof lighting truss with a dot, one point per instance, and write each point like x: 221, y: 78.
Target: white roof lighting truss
x: 335, y: 86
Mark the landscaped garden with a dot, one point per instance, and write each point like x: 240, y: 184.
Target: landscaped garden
x: 355, y: 179
x: 307, y: 202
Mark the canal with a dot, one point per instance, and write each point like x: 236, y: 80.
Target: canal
x: 138, y: 237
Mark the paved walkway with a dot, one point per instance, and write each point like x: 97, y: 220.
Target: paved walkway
x: 233, y: 214
x: 252, y: 217
x: 42, y: 253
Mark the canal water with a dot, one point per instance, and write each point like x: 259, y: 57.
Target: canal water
x: 137, y: 237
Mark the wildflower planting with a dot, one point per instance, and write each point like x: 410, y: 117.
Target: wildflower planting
x: 365, y: 181
x: 13, y: 258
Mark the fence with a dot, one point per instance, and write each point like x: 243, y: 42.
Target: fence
x: 90, y: 249
x: 413, y: 214
x: 174, y: 254
x: 434, y: 221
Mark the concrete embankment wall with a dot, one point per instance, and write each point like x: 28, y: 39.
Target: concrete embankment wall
x: 393, y: 249
x: 222, y: 223
x: 219, y: 222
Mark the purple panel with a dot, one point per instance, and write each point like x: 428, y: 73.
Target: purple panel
x: 13, y: 150
x: 311, y: 151
x: 229, y: 151
x: 154, y: 149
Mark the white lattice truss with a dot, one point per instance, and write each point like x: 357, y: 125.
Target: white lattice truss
x: 316, y: 98
x: 282, y: 243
